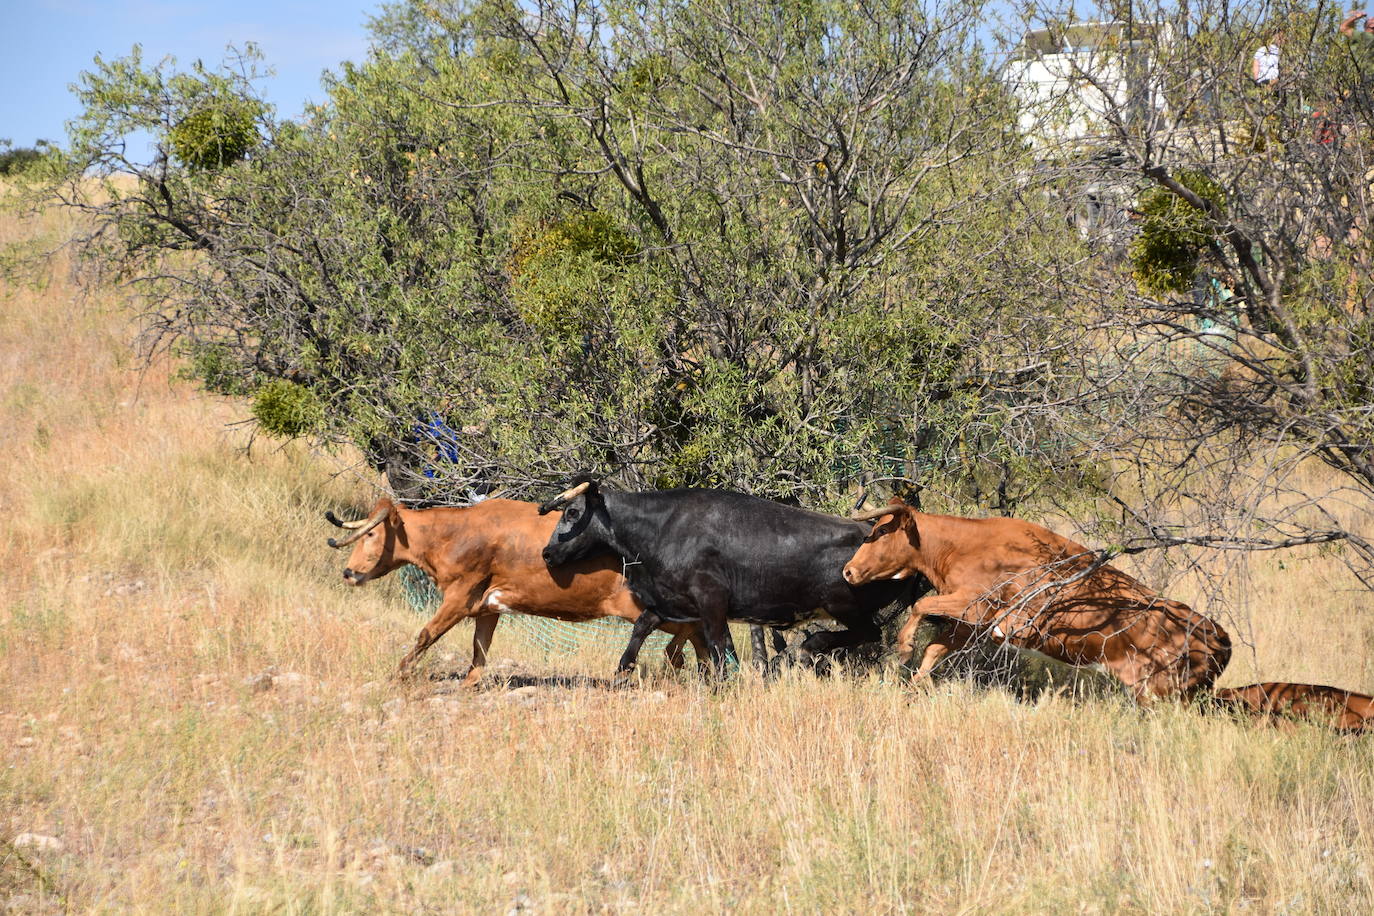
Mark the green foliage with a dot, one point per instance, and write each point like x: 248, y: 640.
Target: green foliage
x: 560, y: 268
x: 286, y: 409
x: 17, y: 159
x: 1173, y: 234
x: 218, y: 132
x: 607, y: 247
x: 215, y: 367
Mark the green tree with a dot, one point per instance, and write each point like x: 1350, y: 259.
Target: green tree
x: 685, y: 244
x: 1232, y: 317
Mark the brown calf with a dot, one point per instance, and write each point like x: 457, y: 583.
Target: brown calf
x: 486, y: 560
x: 1343, y: 710
x: 1036, y: 589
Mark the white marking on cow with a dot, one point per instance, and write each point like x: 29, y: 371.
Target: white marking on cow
x: 493, y: 601
x: 997, y: 631
x: 900, y: 575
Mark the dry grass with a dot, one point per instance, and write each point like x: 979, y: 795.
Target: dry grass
x: 151, y: 566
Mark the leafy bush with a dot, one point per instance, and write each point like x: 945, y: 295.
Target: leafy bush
x: 559, y: 267
x: 1173, y: 235
x: 286, y: 409
x: 16, y: 159
x: 214, y: 366
x: 220, y: 132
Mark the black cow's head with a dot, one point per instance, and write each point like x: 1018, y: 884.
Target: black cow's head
x: 585, y: 526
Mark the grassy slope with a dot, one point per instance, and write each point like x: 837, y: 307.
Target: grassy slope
x: 151, y: 565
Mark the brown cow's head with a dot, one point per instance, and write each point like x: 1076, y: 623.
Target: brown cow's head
x: 887, y: 551
x: 374, y: 541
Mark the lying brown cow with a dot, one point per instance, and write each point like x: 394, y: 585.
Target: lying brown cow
x: 1036, y: 589
x: 486, y: 560
x: 1342, y: 709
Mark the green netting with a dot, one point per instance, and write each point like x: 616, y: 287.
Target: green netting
x: 551, y: 635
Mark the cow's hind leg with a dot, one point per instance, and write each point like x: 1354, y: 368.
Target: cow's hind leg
x: 481, y: 642
x: 759, y: 646
x: 673, y: 651
x: 684, y: 633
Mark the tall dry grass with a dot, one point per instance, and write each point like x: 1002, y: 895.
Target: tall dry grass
x: 153, y: 569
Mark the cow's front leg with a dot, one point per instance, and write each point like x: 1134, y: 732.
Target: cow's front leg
x: 645, y: 624
x: 450, y: 612
x: 712, y: 601
x: 814, y: 650
x: 953, y: 636
x: 481, y: 642
x: 960, y: 606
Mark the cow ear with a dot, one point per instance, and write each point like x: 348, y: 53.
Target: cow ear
x: 395, y: 526
x: 903, y: 514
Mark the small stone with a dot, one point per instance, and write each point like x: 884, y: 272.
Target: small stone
x: 38, y: 842
x: 419, y: 854
x: 26, y: 741
x: 528, y: 692
x: 511, y: 877
x: 258, y: 683
x: 658, y: 696
x: 293, y: 680
x: 393, y: 707
x: 441, y: 869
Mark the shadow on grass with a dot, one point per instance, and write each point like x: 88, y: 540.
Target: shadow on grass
x: 565, y: 681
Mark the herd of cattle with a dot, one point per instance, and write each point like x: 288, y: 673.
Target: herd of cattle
x: 689, y: 561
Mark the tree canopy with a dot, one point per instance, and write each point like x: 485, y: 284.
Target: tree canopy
x: 794, y: 249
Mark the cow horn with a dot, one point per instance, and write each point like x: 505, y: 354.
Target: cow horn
x: 565, y: 497
x: 363, y: 528
x: 875, y: 513
x: 333, y: 519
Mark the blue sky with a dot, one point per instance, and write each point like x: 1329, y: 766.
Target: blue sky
x: 45, y: 44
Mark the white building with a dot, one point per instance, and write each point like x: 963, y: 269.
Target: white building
x: 1072, y: 81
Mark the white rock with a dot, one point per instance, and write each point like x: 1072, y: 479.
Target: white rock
x: 261, y: 681
x: 39, y: 842
x: 293, y: 680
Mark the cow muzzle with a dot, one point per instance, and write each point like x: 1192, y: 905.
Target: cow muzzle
x: 353, y: 577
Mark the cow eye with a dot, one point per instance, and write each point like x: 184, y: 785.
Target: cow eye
x: 573, y: 514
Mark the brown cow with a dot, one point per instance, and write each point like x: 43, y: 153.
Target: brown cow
x: 1036, y: 589
x: 1342, y: 709
x: 486, y: 560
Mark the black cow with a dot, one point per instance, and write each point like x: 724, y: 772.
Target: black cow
x: 716, y: 555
